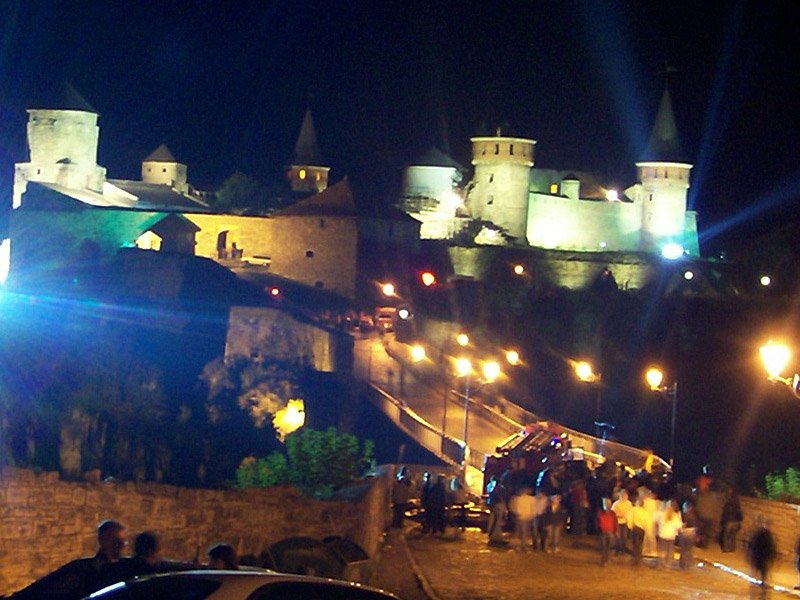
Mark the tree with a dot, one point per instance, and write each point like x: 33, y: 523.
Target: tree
x: 243, y: 194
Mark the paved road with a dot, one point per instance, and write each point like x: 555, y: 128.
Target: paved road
x: 466, y: 568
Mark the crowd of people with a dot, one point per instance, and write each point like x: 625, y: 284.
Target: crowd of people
x: 632, y: 516
x: 81, y: 577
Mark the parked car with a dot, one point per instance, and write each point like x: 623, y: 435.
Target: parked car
x: 238, y: 585
x: 384, y: 318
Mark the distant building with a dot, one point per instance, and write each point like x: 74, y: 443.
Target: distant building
x: 65, y: 211
x: 559, y: 210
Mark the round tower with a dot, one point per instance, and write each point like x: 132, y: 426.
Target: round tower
x: 664, y: 177
x: 499, y: 189
x: 62, y: 142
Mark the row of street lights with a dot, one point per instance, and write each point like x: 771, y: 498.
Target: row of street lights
x: 654, y: 378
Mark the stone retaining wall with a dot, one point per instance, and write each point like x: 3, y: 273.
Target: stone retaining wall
x: 783, y: 520
x: 46, y: 522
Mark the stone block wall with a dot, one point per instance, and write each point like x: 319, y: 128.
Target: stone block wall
x: 46, y: 522
x: 783, y: 520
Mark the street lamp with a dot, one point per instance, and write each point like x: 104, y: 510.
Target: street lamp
x: 462, y: 339
x: 512, y: 357
x: 775, y: 357
x: 585, y: 372
x: 417, y: 352
x: 490, y: 371
x: 654, y: 376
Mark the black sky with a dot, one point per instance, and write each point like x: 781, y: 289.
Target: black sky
x: 225, y: 84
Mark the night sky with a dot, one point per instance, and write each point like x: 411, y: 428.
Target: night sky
x: 225, y: 85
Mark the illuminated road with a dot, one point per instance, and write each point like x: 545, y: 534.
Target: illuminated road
x: 427, y: 398
x: 458, y: 567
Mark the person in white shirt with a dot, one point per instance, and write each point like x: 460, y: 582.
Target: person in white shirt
x: 669, y: 524
x: 522, y: 507
x: 622, y: 508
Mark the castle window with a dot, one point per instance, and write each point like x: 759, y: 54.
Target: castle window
x: 38, y: 171
x: 490, y: 199
x: 318, y: 176
x: 149, y: 169
x: 301, y: 173
x: 164, y: 170
x: 309, y: 254
x: 553, y: 188
x: 497, y: 148
x: 651, y: 197
x: 511, y: 149
x: 491, y: 177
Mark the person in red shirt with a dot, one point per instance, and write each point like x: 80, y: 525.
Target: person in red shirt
x: 607, y: 526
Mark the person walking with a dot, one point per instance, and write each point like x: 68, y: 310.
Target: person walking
x: 438, y: 505
x: 651, y: 504
x: 556, y: 520
x: 731, y: 520
x: 622, y: 509
x: 669, y: 523
x: 540, y: 505
x: 638, y: 522
x: 687, y: 538
x: 607, y: 527
x: 401, y: 495
x: 579, y: 508
x: 498, y: 510
x: 762, y: 552
x: 425, y: 501
x: 522, y: 507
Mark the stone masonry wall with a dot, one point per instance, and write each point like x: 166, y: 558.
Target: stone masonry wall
x: 783, y: 520
x: 46, y: 522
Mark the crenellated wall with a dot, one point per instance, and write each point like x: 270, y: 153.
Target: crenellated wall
x: 46, y: 522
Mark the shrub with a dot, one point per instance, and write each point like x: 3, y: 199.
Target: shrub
x: 319, y: 462
x: 784, y: 486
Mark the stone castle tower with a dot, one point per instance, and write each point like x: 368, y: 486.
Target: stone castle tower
x: 664, y: 176
x: 499, y: 188
x: 307, y: 175
x: 161, y: 167
x: 62, y: 143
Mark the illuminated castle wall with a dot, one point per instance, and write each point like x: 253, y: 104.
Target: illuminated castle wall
x: 570, y: 212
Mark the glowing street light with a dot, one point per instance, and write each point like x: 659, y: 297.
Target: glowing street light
x: 585, y: 372
x: 512, y: 357
x: 519, y: 269
x: 491, y: 370
x: 775, y: 358
x: 765, y: 280
x: 388, y: 289
x: 427, y: 278
x: 462, y: 339
x: 688, y: 275
x: 654, y: 376
x: 417, y: 353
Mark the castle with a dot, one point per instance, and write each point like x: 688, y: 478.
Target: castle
x: 520, y: 205
x: 65, y: 208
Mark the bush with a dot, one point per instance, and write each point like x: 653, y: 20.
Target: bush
x: 319, y: 462
x: 262, y: 472
x: 784, y: 486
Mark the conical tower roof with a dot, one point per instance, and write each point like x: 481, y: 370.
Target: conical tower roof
x: 664, y: 144
x: 306, y: 150
x: 61, y: 97
x: 161, y: 154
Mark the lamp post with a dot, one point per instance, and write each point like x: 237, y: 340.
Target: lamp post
x: 654, y: 376
x: 585, y: 372
x: 490, y: 371
x: 775, y: 357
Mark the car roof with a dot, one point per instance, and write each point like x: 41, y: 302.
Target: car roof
x: 247, y: 581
